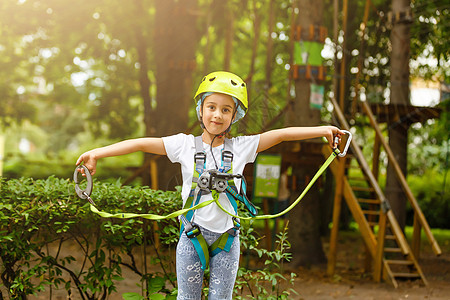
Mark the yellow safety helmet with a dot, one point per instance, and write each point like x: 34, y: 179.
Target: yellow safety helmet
x: 225, y: 83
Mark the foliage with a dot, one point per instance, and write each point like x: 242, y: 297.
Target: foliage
x: 49, y: 238
x: 79, y: 79
x: 71, y: 75
x: 36, y: 214
x: 429, y: 36
x: 256, y: 282
x: 433, y: 196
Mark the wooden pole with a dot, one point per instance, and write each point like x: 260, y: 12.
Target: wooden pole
x: 293, y: 25
x: 376, y: 157
x: 335, y: 40
x: 361, y: 55
x: 378, y: 265
x: 336, y: 215
x: 344, y: 60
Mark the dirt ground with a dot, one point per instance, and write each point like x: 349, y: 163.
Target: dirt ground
x: 354, y: 284
x: 349, y: 282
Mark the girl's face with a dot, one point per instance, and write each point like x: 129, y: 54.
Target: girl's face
x: 217, y: 112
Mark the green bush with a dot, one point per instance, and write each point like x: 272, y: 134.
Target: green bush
x: 37, y: 214
x: 433, y: 197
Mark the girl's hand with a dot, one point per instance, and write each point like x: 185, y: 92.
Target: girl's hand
x: 89, y: 160
x: 333, y: 132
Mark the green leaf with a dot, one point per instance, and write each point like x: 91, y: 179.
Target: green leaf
x: 157, y: 297
x: 156, y: 284
x: 132, y: 296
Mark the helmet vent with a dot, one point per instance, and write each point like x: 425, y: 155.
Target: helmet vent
x: 243, y: 84
x: 233, y: 83
x: 212, y: 79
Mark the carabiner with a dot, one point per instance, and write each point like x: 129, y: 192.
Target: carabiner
x: 86, y: 193
x: 347, y: 144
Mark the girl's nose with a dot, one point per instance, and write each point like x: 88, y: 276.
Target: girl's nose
x: 217, y: 114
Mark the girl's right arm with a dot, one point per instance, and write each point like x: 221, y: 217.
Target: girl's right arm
x: 150, y: 145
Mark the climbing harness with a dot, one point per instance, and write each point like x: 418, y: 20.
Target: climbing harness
x: 210, y: 181
x: 214, y: 182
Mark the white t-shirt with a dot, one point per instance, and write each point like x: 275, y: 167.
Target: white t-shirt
x: 180, y: 148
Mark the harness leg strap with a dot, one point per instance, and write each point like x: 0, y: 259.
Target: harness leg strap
x: 225, y: 241
x: 200, y: 245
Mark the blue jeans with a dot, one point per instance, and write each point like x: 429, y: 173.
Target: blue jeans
x: 223, y: 269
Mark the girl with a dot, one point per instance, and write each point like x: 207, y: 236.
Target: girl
x: 221, y: 101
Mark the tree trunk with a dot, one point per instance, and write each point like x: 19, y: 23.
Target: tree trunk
x: 398, y: 132
x: 229, y: 37
x: 175, y: 41
x: 255, y: 43
x: 304, y: 231
x: 269, y: 60
x: 141, y: 37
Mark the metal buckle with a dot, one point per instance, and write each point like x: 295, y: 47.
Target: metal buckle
x: 227, y: 154
x: 200, y: 155
x: 193, y: 232
x: 236, y: 228
x: 347, y: 144
x: 83, y: 194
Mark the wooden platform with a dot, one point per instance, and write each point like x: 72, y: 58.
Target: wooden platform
x: 409, y: 114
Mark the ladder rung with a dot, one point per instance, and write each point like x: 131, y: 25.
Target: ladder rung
x: 399, y: 262
x: 371, y: 212
x: 393, y: 250
x: 369, y: 201
x: 406, y: 275
x: 363, y: 189
x: 352, y: 166
x: 389, y: 237
x: 372, y: 223
x: 354, y: 178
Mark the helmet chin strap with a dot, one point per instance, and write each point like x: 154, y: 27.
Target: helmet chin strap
x: 220, y: 135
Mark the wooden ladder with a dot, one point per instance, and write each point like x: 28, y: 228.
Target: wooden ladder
x: 385, y: 242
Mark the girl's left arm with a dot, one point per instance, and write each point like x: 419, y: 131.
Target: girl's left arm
x: 274, y: 137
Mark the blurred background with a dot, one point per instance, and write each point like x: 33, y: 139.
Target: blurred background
x: 75, y: 75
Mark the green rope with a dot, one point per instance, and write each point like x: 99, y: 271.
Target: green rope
x: 149, y: 216
x: 216, y: 200
x: 308, y: 187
